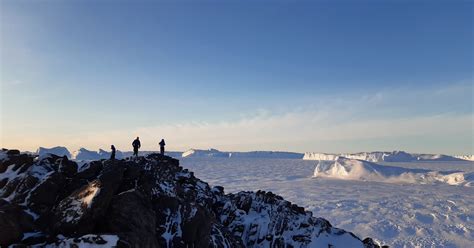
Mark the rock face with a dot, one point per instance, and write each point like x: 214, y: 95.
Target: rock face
x: 145, y: 202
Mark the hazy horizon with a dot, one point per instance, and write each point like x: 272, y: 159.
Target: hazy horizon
x: 303, y: 76
x: 71, y: 150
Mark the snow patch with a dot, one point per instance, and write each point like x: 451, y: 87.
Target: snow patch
x: 78, y: 204
x: 172, y: 226
x: 88, y: 241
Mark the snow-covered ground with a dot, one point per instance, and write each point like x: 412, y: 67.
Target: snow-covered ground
x: 398, y: 214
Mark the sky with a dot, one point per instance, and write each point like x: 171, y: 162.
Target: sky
x: 303, y: 76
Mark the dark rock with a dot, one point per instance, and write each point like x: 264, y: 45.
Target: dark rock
x: 17, y: 160
x: 131, y: 216
x: 78, y: 213
x: 13, y: 223
x: 370, y: 243
x: 196, y: 226
x: 73, y: 215
x: 43, y: 197
x: 20, y: 186
x: 13, y: 152
x: 67, y: 168
x: 35, y: 239
x: 92, y: 171
x: 3, y: 182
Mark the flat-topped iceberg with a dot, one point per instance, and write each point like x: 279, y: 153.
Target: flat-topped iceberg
x: 395, y: 156
x: 57, y: 150
x: 214, y: 153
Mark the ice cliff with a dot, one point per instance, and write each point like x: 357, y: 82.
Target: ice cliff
x: 195, y: 153
x: 395, y: 156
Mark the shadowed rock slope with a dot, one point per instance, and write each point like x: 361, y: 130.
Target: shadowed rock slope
x: 145, y: 202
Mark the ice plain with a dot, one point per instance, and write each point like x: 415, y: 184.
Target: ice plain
x: 396, y: 214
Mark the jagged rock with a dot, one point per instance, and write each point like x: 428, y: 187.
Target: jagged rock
x: 44, y: 195
x: 13, y: 152
x: 196, y: 226
x: 370, y: 243
x: 77, y: 214
x: 91, y: 171
x: 67, y: 167
x: 145, y: 202
x: 131, y: 216
x: 16, y: 159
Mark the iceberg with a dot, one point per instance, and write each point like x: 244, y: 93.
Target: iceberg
x: 360, y: 170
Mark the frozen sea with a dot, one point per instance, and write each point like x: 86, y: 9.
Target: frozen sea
x: 400, y: 215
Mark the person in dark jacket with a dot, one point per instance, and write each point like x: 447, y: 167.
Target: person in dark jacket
x: 162, y: 147
x: 112, y: 155
x: 136, y: 145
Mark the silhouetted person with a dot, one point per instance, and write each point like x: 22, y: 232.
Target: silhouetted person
x: 136, y: 145
x: 162, y: 147
x: 112, y: 155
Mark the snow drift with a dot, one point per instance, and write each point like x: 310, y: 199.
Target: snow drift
x: 352, y: 169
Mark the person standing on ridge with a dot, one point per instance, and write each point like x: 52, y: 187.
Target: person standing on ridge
x: 136, y: 145
x: 162, y: 147
x: 112, y: 155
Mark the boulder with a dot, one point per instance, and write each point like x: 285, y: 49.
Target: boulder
x: 43, y: 197
x: 196, y: 226
x: 131, y: 216
x: 91, y: 171
x: 13, y: 223
x: 66, y: 167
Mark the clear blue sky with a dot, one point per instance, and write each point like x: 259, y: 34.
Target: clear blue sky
x: 330, y: 76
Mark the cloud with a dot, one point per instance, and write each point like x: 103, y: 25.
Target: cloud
x: 331, y: 124
x: 382, y: 115
x: 12, y: 82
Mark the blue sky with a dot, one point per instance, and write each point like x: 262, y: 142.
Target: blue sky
x: 329, y: 76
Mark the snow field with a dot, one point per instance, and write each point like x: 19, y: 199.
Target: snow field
x: 398, y: 214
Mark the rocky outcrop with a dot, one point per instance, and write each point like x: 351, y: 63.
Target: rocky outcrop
x: 145, y: 202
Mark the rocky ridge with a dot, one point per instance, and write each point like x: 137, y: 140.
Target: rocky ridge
x: 149, y: 201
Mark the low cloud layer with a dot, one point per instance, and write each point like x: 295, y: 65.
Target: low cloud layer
x: 329, y: 124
